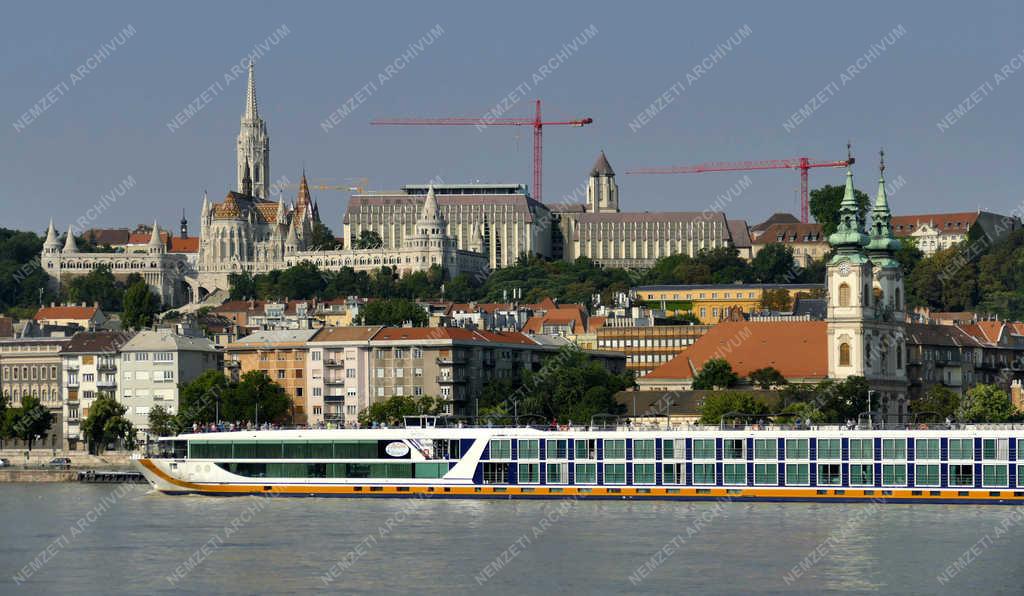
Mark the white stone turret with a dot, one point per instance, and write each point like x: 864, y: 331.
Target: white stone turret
x: 52, y: 243
x: 69, y: 243
x: 155, y: 246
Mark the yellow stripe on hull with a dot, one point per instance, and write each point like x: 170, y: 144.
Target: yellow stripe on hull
x: 604, y: 492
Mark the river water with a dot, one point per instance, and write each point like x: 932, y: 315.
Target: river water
x: 75, y: 539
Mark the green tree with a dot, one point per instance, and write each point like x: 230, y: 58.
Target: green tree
x: 242, y: 285
x: 257, y: 388
x: 106, y: 423
x: 394, y: 312
x: 367, y: 239
x: 199, y: 399
x: 986, y: 403
x: 844, y: 400
x: 777, y: 299
x: 725, y: 265
x: 825, y: 205
x: 767, y: 378
x: 393, y: 411
x: 716, y: 373
x: 99, y: 286
x: 774, y: 264
x: 140, y: 306
x: 28, y: 421
x: 162, y: 423
x: 939, y: 400
x: 718, y: 404
x: 321, y: 238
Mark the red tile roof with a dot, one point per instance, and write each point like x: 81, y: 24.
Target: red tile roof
x: 190, y: 244
x: 792, y: 232
x: 144, y: 237
x: 797, y: 349
x: 945, y: 223
x: 987, y: 331
x: 50, y: 313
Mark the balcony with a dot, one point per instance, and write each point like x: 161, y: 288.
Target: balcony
x: 334, y: 362
x: 71, y: 383
x: 334, y: 399
x: 335, y: 381
x: 449, y: 380
x: 451, y: 360
x: 106, y: 383
x: 106, y: 367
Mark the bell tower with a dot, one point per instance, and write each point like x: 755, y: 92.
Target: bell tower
x: 253, y: 144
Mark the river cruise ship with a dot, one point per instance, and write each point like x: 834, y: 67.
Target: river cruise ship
x: 973, y: 464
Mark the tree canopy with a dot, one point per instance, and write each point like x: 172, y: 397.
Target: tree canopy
x: 200, y: 400
x: 721, y: 403
x: 986, y: 403
x: 716, y: 373
x: 27, y: 421
x: 393, y: 312
x: 824, y: 204
x: 106, y: 423
x: 140, y: 306
x: 393, y: 410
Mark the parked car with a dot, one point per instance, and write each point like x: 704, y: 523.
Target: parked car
x: 60, y: 463
x: 4, y: 462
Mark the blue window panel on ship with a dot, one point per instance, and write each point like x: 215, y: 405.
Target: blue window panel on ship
x: 944, y: 451
x: 977, y: 474
x: 812, y: 468
x: 629, y: 452
x: 718, y: 449
x: 689, y: 469
x: 478, y: 474
x: 464, y: 445
x: 542, y: 449
x: 782, y: 450
x: 844, y: 452
x: 572, y: 474
x: 977, y: 449
x: 911, y: 469
x: 944, y: 468
x: 750, y: 466
x: 514, y: 451
x: 781, y: 473
x: 1013, y: 449
x: 543, y: 475
x: 911, y: 453
x: 513, y: 473
x: 750, y: 450
x: 658, y: 446
x: 812, y: 452
x: 689, y: 451
x: 878, y: 448
x: 600, y: 449
x: 719, y: 468
x: 629, y: 467
x: 878, y: 474
x: 844, y: 468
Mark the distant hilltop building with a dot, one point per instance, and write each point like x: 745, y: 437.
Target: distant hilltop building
x: 938, y: 231
x: 248, y: 232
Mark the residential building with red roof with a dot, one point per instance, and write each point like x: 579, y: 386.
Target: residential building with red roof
x: 89, y: 318
x: 938, y: 231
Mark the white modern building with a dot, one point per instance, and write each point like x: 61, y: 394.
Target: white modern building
x: 153, y: 364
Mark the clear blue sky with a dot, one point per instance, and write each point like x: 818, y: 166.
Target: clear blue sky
x: 112, y: 123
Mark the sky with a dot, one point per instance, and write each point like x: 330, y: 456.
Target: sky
x: 938, y: 85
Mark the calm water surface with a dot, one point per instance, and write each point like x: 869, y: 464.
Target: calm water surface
x: 141, y: 542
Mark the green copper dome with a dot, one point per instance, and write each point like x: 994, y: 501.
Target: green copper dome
x: 849, y: 237
x: 883, y: 245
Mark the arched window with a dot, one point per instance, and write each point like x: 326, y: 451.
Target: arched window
x: 899, y: 304
x: 844, y: 295
x: 844, y: 354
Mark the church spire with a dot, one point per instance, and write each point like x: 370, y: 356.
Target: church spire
x: 883, y: 246
x: 849, y: 237
x: 69, y: 242
x: 252, y: 111
x: 51, y: 235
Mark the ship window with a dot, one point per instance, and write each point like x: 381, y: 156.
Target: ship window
x: 828, y: 448
x: 796, y: 449
x: 673, y: 474
x: 529, y: 449
x: 643, y: 474
x: 529, y: 473
x: 995, y: 449
x: 431, y: 470
x: 496, y: 473
x: 961, y: 449
x: 927, y: 449
x: 556, y: 449
x: 557, y: 473
x: 615, y: 449
x: 673, y: 449
x: 861, y: 474
x: 766, y: 474
x: 894, y: 448
x: 894, y: 475
x: 797, y: 475
x: 830, y: 474
x: 615, y: 473
x: 926, y: 475
x: 500, y: 449
x: 861, y: 449
x: 643, y: 449
x: 703, y: 449
x: 703, y: 473
x: 765, y: 448
x: 734, y: 474
x: 585, y: 448
x: 961, y: 475
x: 586, y: 473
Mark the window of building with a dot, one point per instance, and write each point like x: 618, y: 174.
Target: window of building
x: 861, y: 474
x: 797, y: 474
x: 615, y: 449
x: 703, y: 449
x: 830, y: 474
x: 961, y: 475
x: 586, y: 473
x: 844, y: 294
x: 829, y: 449
x: 961, y: 449
x: 894, y: 449
x: 163, y: 356
x: 926, y: 474
x: 703, y: 473
x: 861, y: 449
x: 927, y: 449
x: 844, y: 354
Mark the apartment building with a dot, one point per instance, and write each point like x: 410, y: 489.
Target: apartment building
x: 646, y: 348
x: 282, y: 355
x: 712, y: 303
x: 89, y: 367
x: 31, y: 367
x: 152, y: 366
x: 339, y: 374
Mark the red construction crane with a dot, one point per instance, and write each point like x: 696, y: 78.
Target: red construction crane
x: 536, y: 122
x: 797, y: 163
